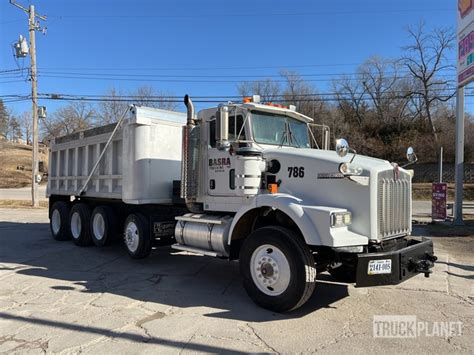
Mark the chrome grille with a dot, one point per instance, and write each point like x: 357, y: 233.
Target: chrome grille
x: 394, y: 205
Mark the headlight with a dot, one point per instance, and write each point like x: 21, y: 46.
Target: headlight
x: 350, y: 169
x: 340, y: 219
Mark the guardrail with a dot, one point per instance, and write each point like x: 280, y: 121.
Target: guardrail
x: 466, y: 206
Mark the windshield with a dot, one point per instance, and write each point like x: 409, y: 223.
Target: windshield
x: 269, y: 128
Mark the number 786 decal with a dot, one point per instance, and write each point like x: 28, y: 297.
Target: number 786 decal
x: 296, y: 171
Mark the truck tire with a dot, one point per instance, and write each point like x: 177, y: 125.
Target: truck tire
x: 103, y: 225
x: 59, y: 221
x: 79, y: 223
x: 278, y: 269
x: 136, y: 234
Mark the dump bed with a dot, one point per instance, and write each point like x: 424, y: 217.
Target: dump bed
x: 139, y: 164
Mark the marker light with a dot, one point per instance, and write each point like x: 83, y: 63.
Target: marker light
x: 350, y: 169
x: 273, y: 188
x: 253, y: 98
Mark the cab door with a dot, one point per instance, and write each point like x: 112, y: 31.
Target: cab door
x: 221, y: 163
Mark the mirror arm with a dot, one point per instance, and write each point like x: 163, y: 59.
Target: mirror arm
x: 355, y: 153
x: 410, y: 162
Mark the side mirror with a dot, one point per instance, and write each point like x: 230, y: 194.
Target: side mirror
x: 222, y: 128
x: 411, y: 156
x: 342, y: 147
x: 326, y: 136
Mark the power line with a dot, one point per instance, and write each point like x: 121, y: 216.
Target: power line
x: 189, y: 68
x: 10, y: 70
x: 204, y: 99
x: 151, y: 79
x: 386, y: 74
x: 276, y: 98
x: 12, y: 81
x: 250, y: 14
x: 404, y: 93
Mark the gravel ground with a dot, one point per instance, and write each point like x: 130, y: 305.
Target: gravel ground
x: 56, y: 297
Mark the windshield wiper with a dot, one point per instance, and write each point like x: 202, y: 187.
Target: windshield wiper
x: 292, y: 136
x: 289, y: 137
x: 285, y: 136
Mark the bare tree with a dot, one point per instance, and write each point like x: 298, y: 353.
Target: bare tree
x: 385, y: 88
x: 425, y: 58
x: 26, y: 123
x: 76, y: 116
x: 116, y: 102
x: 147, y: 96
x: 112, y: 108
x: 350, y: 95
x: 15, y: 129
x: 268, y: 89
x: 303, y: 95
x: 4, y: 120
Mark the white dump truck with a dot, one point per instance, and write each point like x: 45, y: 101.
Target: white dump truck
x: 241, y: 181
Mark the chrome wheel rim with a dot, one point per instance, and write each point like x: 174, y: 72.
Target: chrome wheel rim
x: 98, y: 226
x: 56, y: 221
x: 270, y: 270
x: 131, y: 236
x: 76, y: 225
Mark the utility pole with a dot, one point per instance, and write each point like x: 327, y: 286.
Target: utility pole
x: 32, y: 27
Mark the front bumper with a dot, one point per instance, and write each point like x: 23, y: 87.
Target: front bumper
x: 413, y: 258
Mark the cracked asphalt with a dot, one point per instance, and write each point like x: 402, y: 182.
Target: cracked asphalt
x: 59, y: 298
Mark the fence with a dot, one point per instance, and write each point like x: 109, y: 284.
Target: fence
x: 429, y: 172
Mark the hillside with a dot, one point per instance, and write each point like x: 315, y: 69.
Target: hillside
x: 13, y: 155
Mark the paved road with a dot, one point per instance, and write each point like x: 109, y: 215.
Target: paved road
x: 23, y: 193
x: 56, y: 297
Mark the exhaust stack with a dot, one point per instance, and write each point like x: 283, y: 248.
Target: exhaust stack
x: 190, y: 107
x: 189, y: 163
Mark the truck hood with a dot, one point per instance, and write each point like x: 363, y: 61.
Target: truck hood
x: 317, y: 182
x: 328, y: 157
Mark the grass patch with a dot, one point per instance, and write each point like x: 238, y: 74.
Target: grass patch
x: 21, y: 204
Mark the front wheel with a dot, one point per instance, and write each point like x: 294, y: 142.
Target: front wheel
x: 277, y: 268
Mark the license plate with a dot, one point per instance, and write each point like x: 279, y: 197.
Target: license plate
x: 380, y: 267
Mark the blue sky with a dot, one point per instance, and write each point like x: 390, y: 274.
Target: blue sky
x: 189, y: 39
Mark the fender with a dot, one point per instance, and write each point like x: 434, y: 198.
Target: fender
x: 312, y: 221
x: 289, y: 205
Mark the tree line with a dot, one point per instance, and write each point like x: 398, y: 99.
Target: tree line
x: 387, y: 105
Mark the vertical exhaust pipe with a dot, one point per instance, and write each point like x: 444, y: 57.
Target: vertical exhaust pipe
x: 189, y: 166
x: 190, y: 107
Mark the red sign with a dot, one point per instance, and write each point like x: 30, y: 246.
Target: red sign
x: 439, y: 194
